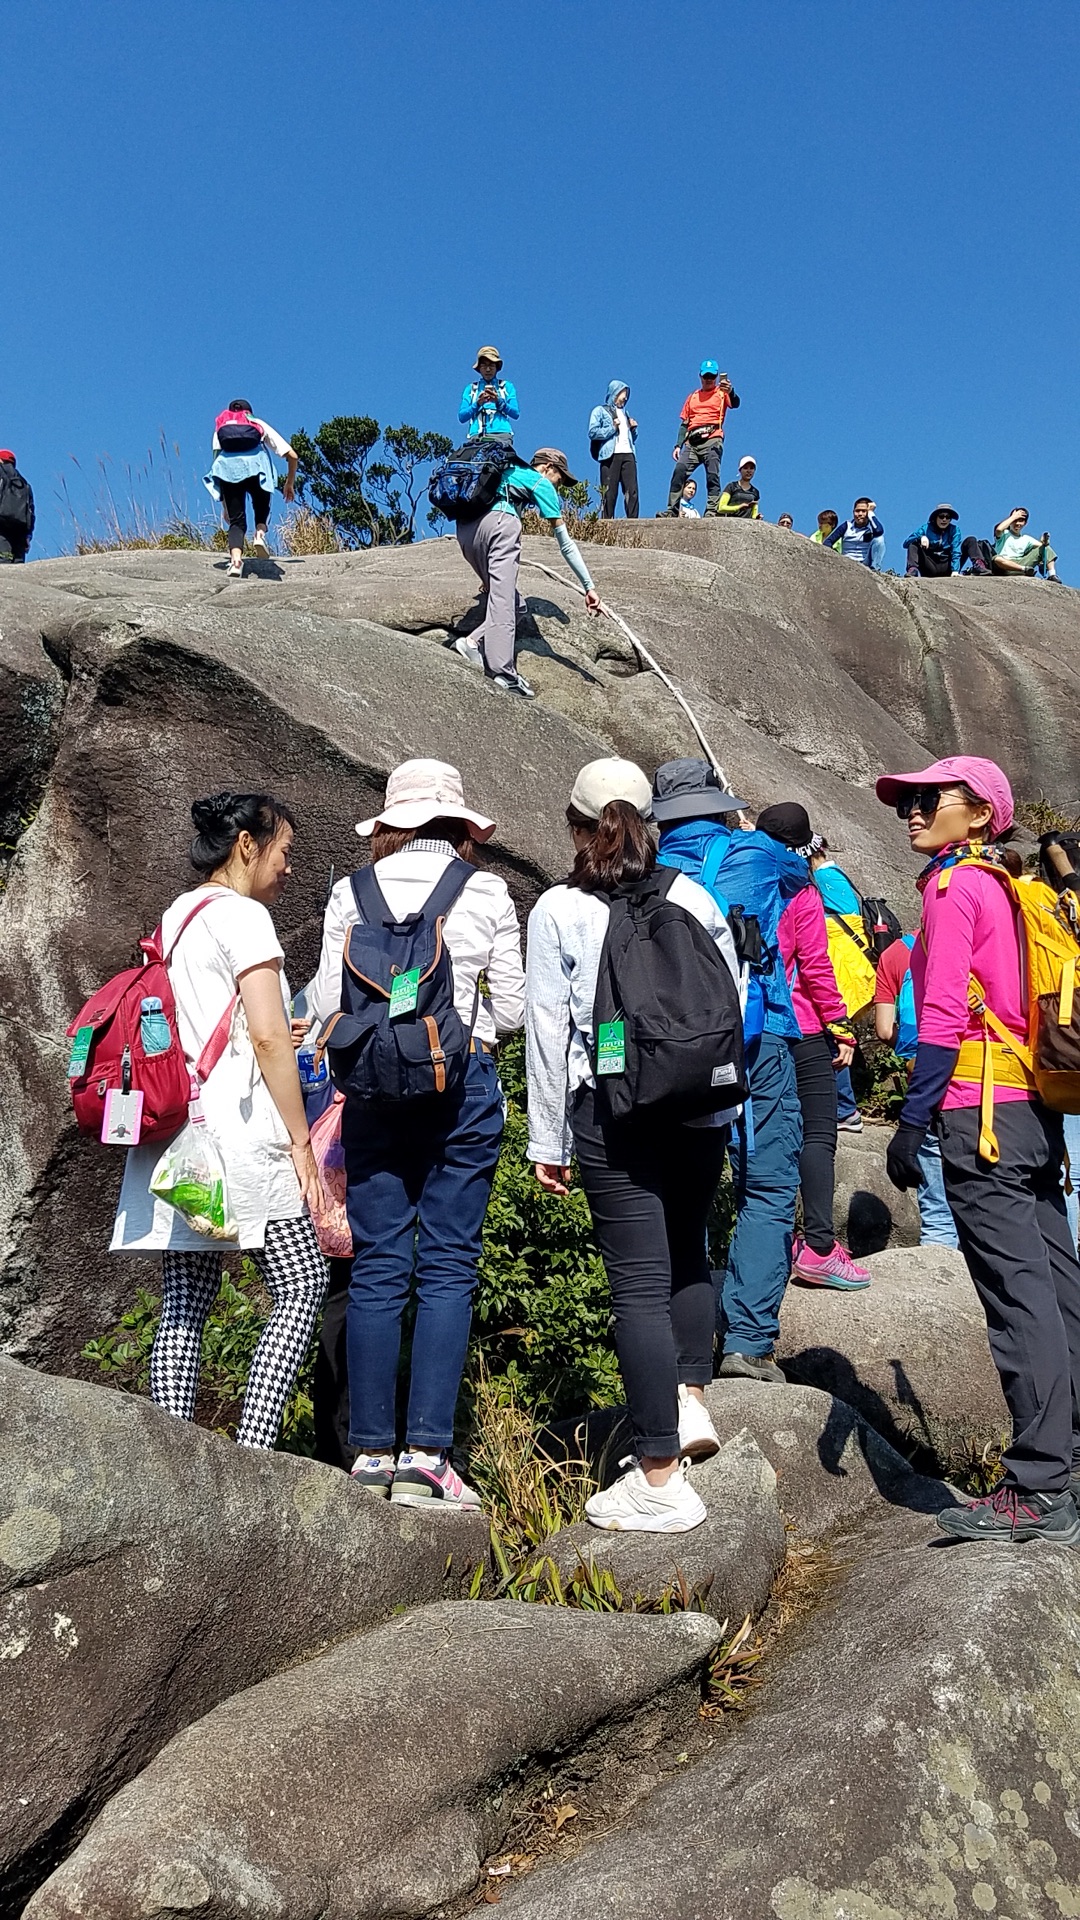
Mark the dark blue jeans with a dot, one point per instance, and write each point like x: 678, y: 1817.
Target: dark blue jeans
x: 418, y: 1190
x: 766, y: 1183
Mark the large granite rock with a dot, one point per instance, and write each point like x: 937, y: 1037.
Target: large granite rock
x: 147, y: 1571
x: 909, y: 1353
x: 374, y: 1780
x: 869, y: 1213
x: 915, y: 1751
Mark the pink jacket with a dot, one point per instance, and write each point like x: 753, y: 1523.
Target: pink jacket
x: 804, y: 943
x: 969, y: 928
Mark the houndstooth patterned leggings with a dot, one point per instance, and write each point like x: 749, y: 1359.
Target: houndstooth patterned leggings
x: 294, y: 1273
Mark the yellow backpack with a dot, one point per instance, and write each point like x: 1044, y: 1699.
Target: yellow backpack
x: 1046, y: 1061
x: 853, y: 965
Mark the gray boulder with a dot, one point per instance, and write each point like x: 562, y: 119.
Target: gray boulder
x: 910, y: 1354
x: 915, y: 1750
x: 728, y: 1564
x: 375, y: 1779
x: 148, y: 1570
x: 869, y: 1213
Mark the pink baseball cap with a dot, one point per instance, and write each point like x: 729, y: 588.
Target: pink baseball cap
x: 984, y: 777
x: 423, y: 790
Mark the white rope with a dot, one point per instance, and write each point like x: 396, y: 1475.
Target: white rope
x: 643, y: 653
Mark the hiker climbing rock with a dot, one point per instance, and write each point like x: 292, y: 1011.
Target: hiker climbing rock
x: 243, y: 470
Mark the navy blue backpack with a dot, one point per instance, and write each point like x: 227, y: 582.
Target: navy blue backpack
x: 389, y: 1045
x: 466, y: 485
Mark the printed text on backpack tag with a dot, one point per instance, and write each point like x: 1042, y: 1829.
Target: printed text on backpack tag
x: 611, y: 1047
x: 403, y: 993
x: 80, y: 1053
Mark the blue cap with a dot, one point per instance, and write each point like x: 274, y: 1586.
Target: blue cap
x: 708, y: 366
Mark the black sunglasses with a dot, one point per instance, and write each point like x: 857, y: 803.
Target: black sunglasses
x: 925, y: 799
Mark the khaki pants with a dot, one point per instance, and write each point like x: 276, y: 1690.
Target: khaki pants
x: 492, y: 547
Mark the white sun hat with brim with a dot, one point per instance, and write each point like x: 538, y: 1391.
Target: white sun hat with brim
x: 423, y: 790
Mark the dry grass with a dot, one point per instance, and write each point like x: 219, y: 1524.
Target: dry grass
x: 590, y: 527
x: 304, y: 532
x: 1042, y: 816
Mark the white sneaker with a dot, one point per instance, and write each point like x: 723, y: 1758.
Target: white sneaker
x: 234, y: 570
x: 260, y: 547
x: 469, y: 650
x: 633, y: 1506
x: 698, y: 1438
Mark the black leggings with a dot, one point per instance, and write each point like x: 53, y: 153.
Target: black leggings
x: 815, y: 1079
x: 650, y: 1189
x: 620, y: 470
x: 234, y: 499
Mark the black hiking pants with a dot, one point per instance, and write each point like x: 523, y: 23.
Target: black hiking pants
x: 815, y: 1079
x: 689, y: 460
x: 620, y: 470
x: 234, y: 499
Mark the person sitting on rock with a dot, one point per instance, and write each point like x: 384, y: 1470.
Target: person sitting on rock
x: 612, y: 439
x: 827, y: 1045
x: 489, y: 405
x: 1002, y: 1157
x: 934, y: 549
x: 861, y: 538
x: 1017, y: 551
x: 492, y: 547
x: 650, y: 1183
x: 243, y: 470
x: 786, y: 523
x: 229, y: 960
x: 896, y: 1026
x: 740, y: 498
x: 758, y: 875
x: 828, y: 519
x: 687, y: 509
x: 701, y: 436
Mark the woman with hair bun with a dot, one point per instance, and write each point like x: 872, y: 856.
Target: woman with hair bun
x: 225, y: 965
x: 649, y: 1182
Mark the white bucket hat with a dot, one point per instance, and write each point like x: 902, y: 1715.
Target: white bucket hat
x: 423, y: 790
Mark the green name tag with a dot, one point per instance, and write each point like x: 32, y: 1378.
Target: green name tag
x: 80, y: 1052
x: 403, y: 993
x: 611, y: 1047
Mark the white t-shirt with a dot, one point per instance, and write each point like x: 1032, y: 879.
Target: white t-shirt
x: 272, y: 439
x: 231, y: 935
x: 623, y: 440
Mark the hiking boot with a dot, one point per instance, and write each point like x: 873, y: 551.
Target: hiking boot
x: 374, y: 1472
x: 633, y: 1506
x: 1011, y: 1515
x: 428, y: 1480
x: 469, y: 650
x: 751, y: 1366
x: 834, y: 1269
x: 698, y: 1438
x: 852, y: 1123
x: 510, y: 681
x: 260, y: 547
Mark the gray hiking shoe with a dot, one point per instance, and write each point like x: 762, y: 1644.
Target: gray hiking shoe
x: 513, y: 682
x: 1010, y: 1515
x: 752, y: 1366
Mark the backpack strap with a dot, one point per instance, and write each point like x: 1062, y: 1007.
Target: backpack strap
x: 371, y: 902
x: 833, y: 913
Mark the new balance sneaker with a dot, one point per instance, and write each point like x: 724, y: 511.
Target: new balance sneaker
x: 511, y: 681
x: 698, y: 1438
x: 469, y: 649
x: 1012, y: 1515
x: 752, y: 1366
x: 260, y: 546
x: 835, y: 1269
x: 633, y: 1506
x: 374, y: 1472
x: 428, y: 1480
x: 851, y: 1123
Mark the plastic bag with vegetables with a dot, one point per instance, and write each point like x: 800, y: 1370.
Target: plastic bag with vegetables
x: 191, y: 1176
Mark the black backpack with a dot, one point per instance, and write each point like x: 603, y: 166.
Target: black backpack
x: 662, y: 977
x: 375, y: 1051
x: 16, y: 503
x: 466, y: 484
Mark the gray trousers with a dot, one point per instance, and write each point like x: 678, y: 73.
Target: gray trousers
x: 689, y: 460
x: 492, y: 547
x: 1015, y: 1237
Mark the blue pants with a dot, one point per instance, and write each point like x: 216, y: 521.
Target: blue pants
x: 418, y: 1190
x: 937, y: 1228
x: 846, y: 1103
x: 1072, y: 1148
x: 766, y: 1183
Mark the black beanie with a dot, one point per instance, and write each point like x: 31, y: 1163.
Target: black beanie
x: 789, y: 823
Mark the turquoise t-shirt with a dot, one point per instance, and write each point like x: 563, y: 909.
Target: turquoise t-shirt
x: 531, y: 489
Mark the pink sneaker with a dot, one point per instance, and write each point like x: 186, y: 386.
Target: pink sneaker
x: 428, y: 1480
x: 836, y: 1269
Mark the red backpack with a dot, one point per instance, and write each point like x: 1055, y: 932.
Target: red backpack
x: 109, y: 1055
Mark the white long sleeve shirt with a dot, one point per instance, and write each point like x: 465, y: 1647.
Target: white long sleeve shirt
x: 566, y: 935
x: 481, y: 931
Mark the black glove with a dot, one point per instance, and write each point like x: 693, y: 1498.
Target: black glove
x: 902, y: 1158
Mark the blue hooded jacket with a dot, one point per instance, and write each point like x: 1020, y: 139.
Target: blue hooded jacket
x: 602, y: 428
x: 751, y: 871
x: 949, y: 542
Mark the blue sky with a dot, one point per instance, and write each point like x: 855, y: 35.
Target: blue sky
x: 867, y: 212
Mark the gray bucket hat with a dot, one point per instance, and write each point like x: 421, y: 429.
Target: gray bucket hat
x: 690, y: 790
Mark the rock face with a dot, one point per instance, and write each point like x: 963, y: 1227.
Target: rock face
x: 910, y: 1354
x: 373, y: 1780
x: 915, y: 1754
x: 132, y: 682
x: 869, y: 1212
x: 728, y: 1564
x: 149, y: 1569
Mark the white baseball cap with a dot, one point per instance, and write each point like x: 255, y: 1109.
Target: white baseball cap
x: 604, y: 780
x: 747, y: 461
